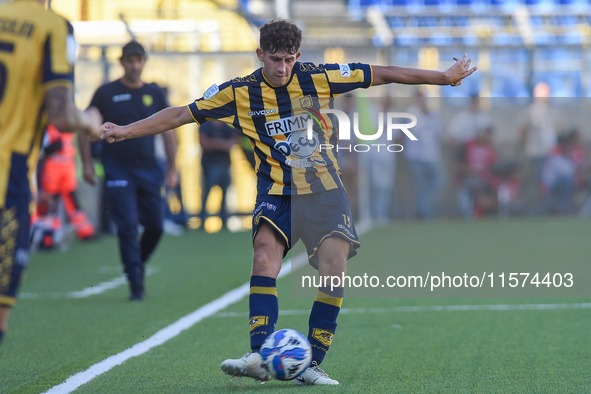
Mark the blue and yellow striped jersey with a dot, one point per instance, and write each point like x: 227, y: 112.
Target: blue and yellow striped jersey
x: 37, y: 51
x: 275, y: 120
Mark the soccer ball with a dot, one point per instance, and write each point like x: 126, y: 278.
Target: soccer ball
x: 286, y: 354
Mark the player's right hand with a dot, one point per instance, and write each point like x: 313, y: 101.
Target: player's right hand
x: 112, y: 133
x: 89, y: 174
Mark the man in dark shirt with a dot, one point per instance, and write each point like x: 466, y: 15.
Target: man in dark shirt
x: 133, y: 177
x: 216, y: 139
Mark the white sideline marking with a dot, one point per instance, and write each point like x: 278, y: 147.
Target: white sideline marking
x: 171, y: 331
x: 162, y: 336
x: 87, y: 292
x: 432, y: 308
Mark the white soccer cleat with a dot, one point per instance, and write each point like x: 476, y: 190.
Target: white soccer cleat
x: 248, y: 365
x: 314, y: 375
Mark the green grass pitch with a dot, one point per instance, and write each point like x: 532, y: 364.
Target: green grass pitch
x: 53, y: 336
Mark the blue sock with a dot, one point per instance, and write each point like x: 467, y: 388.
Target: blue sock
x: 323, y: 321
x: 264, y: 309
x: 1, y: 335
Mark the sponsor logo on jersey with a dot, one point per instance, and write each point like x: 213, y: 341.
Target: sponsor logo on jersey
x: 122, y: 97
x: 345, y: 70
x: 262, y: 112
x: 287, y: 125
x: 322, y: 336
x: 258, y: 321
x: 211, y: 91
x: 305, y: 163
x: 147, y: 100
x: 301, y: 146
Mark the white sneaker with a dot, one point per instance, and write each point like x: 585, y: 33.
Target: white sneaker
x: 315, y: 375
x: 248, y: 365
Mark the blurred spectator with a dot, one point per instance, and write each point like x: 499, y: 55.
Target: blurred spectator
x: 505, y: 181
x: 578, y: 154
x: 216, y: 139
x: 476, y: 158
x: 539, y: 132
x: 57, y: 175
x: 468, y: 123
x: 558, y: 177
x: 382, y: 167
x: 424, y: 157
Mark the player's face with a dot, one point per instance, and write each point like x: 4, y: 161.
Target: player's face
x: 133, y: 66
x: 277, y: 66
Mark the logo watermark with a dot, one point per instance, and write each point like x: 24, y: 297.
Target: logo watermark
x: 392, y: 124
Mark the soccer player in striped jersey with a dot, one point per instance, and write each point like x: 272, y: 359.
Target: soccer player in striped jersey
x: 37, y: 53
x: 300, y: 194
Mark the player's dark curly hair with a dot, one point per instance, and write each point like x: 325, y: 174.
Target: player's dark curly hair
x: 280, y: 35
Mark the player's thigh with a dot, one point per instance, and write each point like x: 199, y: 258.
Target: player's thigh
x: 14, y: 242
x: 325, y: 215
x: 121, y: 195
x: 271, y: 233
x: 149, y: 198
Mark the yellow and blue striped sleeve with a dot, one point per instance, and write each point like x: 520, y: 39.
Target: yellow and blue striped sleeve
x: 217, y: 103
x: 59, y: 52
x: 343, y: 78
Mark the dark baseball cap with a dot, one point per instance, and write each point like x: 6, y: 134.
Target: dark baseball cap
x: 133, y: 48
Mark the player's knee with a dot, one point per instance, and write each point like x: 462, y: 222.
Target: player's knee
x: 266, y: 262
x: 127, y: 232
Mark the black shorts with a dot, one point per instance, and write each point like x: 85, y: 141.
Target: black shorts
x: 14, y: 244
x: 309, y: 217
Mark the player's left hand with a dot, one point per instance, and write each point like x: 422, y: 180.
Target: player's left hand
x: 171, y: 179
x: 112, y: 133
x: 460, y: 70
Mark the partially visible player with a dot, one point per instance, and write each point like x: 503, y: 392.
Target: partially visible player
x: 37, y: 53
x: 299, y: 192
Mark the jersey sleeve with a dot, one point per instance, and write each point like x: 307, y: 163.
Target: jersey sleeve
x: 59, y: 54
x: 343, y: 78
x: 217, y: 103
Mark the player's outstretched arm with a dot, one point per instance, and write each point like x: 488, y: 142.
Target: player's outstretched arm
x: 414, y: 76
x: 167, y: 119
